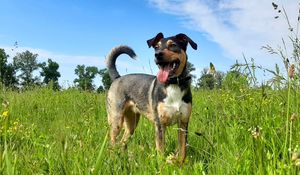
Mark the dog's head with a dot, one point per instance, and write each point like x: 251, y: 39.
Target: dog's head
x: 170, y: 54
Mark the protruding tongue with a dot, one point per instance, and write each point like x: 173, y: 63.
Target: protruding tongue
x: 163, y: 74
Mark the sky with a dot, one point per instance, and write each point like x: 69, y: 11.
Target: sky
x: 76, y: 32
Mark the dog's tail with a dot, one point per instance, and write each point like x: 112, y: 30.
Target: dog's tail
x: 112, y: 57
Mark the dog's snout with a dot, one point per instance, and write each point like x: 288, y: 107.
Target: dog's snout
x: 159, y: 54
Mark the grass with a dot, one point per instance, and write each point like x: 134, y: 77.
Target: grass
x: 246, y: 131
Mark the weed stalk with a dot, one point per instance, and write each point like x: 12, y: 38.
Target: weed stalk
x: 287, y: 131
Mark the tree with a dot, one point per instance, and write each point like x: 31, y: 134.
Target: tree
x: 190, y: 68
x: 206, y: 81
x: 3, y: 61
x: 50, y: 73
x: 85, y: 77
x: 26, y: 63
x: 210, y: 78
x: 234, y: 80
x: 106, y: 81
x: 219, y: 77
x: 7, y: 71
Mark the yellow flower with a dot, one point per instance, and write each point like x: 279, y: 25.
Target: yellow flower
x: 5, y: 114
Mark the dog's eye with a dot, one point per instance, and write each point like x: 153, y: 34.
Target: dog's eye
x: 172, y: 45
x: 156, y: 46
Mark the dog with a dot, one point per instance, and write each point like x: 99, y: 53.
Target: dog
x: 165, y: 99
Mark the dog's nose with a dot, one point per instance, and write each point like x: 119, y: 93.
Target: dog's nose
x: 159, y: 55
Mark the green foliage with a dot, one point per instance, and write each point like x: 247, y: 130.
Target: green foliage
x: 190, y: 67
x: 235, y: 80
x: 206, y: 81
x: 3, y: 62
x: 26, y: 63
x: 85, y: 77
x: 7, y: 71
x: 106, y: 81
x: 219, y: 78
x: 50, y: 73
x: 210, y: 80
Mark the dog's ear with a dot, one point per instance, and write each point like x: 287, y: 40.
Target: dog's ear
x: 185, y: 40
x: 153, y: 41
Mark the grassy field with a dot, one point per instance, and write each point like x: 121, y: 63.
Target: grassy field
x: 246, y: 131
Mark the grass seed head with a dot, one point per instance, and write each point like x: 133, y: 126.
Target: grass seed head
x: 292, y: 71
x: 294, y: 117
x: 5, y: 104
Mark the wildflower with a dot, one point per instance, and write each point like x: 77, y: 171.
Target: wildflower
x: 92, y: 170
x: 292, y: 71
x: 4, y: 114
x: 255, y: 132
x: 16, y: 126
x: 296, y: 158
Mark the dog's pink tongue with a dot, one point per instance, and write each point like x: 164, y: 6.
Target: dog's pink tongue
x: 163, y: 74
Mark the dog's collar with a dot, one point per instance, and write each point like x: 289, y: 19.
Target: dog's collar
x: 179, y: 80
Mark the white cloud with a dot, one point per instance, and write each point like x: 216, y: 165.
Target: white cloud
x: 237, y: 26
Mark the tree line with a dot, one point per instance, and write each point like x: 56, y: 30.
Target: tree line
x: 20, y: 75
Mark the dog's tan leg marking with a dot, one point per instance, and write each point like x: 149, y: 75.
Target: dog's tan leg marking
x: 160, y: 128
x: 182, y: 141
x: 182, y: 135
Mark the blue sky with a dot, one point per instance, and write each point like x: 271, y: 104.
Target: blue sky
x: 73, y: 32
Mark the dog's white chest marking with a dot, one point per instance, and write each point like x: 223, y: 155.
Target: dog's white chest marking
x: 174, y: 108
x: 174, y: 97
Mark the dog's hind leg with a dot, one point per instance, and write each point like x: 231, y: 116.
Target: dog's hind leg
x: 131, y: 120
x: 116, y: 124
x: 114, y: 108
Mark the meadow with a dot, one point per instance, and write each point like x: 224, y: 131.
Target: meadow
x: 241, y: 131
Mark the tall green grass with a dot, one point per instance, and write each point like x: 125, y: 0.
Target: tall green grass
x: 246, y: 131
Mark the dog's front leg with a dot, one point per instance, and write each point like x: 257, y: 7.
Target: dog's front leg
x: 160, y: 137
x: 182, y: 140
x: 183, y: 123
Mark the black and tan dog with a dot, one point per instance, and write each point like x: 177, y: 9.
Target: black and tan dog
x: 165, y: 99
